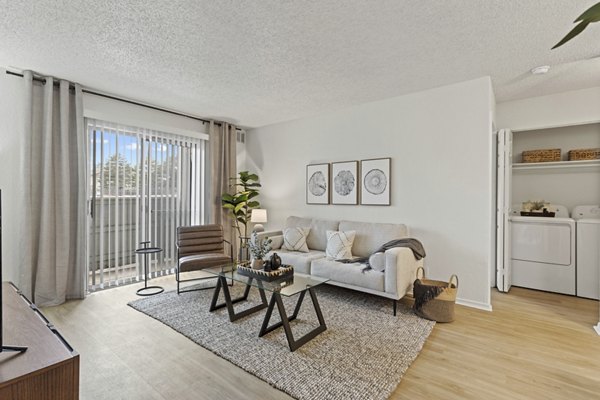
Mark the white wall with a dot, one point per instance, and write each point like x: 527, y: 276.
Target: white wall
x: 12, y: 104
x: 440, y: 144
x: 562, y: 109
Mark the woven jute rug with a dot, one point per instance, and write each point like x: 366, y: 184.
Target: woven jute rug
x: 363, y: 354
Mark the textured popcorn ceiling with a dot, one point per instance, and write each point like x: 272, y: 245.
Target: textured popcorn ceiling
x: 261, y: 62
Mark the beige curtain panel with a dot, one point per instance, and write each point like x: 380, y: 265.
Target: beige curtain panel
x: 54, y: 182
x: 223, y: 166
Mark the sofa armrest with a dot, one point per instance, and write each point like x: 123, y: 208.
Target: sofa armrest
x: 400, y: 269
x: 276, y: 237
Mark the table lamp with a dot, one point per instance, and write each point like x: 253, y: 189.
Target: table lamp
x: 258, y: 217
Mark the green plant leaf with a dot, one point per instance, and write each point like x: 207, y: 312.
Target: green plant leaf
x: 239, y: 206
x: 253, y: 204
x: 591, y: 14
x: 574, y: 32
x: 229, y: 206
x: 227, y: 197
x: 253, y: 177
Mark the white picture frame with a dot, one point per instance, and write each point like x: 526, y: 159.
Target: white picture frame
x: 375, y: 182
x: 344, y: 183
x: 317, y: 184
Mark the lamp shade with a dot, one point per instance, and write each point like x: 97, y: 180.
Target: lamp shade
x: 259, y: 216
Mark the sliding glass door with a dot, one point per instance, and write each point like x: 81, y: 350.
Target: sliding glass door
x: 143, y: 185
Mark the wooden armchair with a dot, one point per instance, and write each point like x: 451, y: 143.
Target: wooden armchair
x: 199, y: 247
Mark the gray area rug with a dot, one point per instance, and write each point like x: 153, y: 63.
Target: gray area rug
x: 363, y: 354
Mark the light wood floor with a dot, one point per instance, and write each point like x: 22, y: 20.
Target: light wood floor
x: 534, y: 345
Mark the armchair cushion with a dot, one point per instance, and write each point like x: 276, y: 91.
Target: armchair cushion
x: 200, y: 261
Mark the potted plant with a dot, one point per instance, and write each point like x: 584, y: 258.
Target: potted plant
x: 240, y: 204
x: 258, y: 250
x: 591, y: 15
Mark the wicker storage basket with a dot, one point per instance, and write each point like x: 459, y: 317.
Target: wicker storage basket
x: 584, y: 154
x: 542, y: 155
x: 434, y: 300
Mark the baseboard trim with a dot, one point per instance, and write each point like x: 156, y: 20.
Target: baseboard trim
x: 474, y: 304
x: 597, y: 328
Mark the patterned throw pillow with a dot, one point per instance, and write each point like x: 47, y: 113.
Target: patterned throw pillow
x: 295, y: 239
x: 339, y: 244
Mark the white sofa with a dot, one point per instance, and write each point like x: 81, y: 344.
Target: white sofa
x: 400, y: 263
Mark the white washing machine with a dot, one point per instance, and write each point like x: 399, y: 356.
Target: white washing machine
x: 587, y: 219
x: 543, y: 251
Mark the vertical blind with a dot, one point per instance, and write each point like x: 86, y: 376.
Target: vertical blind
x: 143, y: 185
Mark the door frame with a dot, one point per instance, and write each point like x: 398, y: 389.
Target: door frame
x: 503, y: 206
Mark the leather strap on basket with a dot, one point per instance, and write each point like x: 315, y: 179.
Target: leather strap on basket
x: 422, y: 270
x: 453, y: 278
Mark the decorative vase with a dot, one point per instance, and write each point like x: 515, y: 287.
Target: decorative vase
x: 257, y: 264
x: 275, y: 261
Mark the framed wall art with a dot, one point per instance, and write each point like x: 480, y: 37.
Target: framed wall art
x: 317, y: 184
x: 376, y: 181
x: 344, y: 176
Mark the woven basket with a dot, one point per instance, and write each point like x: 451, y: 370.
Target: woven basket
x: 435, y: 300
x: 584, y: 154
x: 542, y: 155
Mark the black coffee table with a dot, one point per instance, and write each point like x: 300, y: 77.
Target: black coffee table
x: 299, y: 284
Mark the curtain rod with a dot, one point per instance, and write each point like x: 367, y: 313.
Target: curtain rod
x: 89, y: 91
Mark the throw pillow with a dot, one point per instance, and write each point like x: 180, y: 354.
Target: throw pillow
x: 339, y: 244
x: 377, y: 261
x: 295, y: 239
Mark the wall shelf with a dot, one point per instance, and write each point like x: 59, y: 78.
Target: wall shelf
x: 557, y: 165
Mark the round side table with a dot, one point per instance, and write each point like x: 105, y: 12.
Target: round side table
x: 145, y: 251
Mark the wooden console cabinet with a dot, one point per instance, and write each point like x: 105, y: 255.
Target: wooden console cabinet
x: 49, y: 369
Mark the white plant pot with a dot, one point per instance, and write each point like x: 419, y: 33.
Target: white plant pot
x: 257, y: 264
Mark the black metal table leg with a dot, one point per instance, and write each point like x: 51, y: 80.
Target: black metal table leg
x: 229, y: 302
x: 294, y: 344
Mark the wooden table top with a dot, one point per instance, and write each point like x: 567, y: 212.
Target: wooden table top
x: 24, y: 327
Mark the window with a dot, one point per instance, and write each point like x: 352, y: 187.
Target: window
x: 143, y: 184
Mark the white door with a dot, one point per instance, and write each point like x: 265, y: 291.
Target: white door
x: 504, y: 176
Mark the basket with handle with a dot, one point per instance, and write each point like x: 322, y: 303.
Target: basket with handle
x: 434, y: 300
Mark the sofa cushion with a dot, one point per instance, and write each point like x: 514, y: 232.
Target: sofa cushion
x: 317, y: 237
x: 294, y: 239
x: 377, y: 261
x: 370, y: 236
x: 339, y: 244
x: 300, y: 261
x: 350, y: 274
